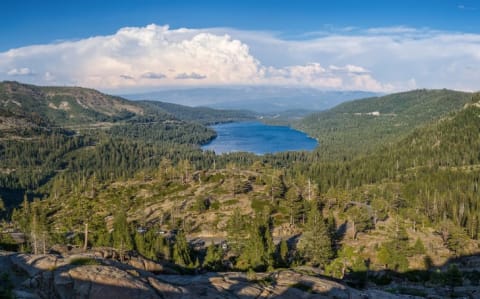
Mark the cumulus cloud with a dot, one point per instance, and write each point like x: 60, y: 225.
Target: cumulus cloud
x: 396, y: 57
x: 24, y: 71
x: 152, y: 75
x: 127, y: 77
x: 349, y: 77
x: 193, y: 75
x: 126, y: 58
x: 376, y: 59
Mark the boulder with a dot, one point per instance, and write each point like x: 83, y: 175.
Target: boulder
x: 52, y: 276
x: 158, y: 267
x: 34, y: 264
x: 95, y: 281
x: 166, y: 290
x: 137, y: 263
x: 105, y: 253
x: 62, y: 284
x: 288, y: 280
x: 151, y: 266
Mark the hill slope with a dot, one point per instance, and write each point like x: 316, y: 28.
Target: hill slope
x: 202, y: 115
x: 73, y: 131
x: 362, y: 125
x: 409, y: 204
x: 65, y: 105
x: 261, y: 99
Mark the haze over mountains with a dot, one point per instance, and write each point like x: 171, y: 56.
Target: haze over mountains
x: 259, y: 99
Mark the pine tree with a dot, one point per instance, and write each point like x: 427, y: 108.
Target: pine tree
x: 361, y: 219
x: 86, y: 216
x: 294, y: 203
x: 348, y: 260
x: 186, y: 169
x: 453, y: 237
x: 252, y: 255
x: 315, y: 243
x: 393, y: 253
x: 140, y: 244
x: 236, y: 231
x: 265, y: 228
x: 121, y: 233
x: 22, y: 217
x: 38, y: 228
x: 418, y: 247
x: 276, y: 185
x: 213, y: 258
x: 181, y: 250
x: 282, y: 254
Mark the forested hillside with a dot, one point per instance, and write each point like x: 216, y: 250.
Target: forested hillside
x: 77, y: 132
x: 399, y: 200
x: 65, y: 105
x: 204, y: 115
x: 362, y: 126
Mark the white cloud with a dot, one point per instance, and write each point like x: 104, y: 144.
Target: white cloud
x: 24, y: 71
x: 349, y: 77
x: 376, y: 59
x: 396, y: 57
x: 152, y: 75
x: 391, y: 30
x: 192, y: 75
x: 136, y: 57
x: 126, y: 77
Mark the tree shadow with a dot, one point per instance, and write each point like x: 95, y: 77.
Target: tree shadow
x: 96, y: 278
x: 457, y: 277
x: 341, y: 232
x: 112, y: 279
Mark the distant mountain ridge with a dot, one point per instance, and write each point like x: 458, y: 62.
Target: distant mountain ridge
x: 260, y: 99
x: 30, y: 106
x: 202, y: 115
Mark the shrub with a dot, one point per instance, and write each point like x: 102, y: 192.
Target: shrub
x: 302, y: 286
x: 84, y: 261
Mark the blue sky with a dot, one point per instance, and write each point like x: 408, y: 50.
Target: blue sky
x: 32, y: 21
x: 322, y: 44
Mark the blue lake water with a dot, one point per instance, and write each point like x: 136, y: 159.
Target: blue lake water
x: 258, y: 138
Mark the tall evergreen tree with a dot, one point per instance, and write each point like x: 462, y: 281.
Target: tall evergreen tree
x: 252, y: 254
x: 236, y: 232
x: 315, y: 243
x: 393, y: 253
x: 294, y: 203
x: 282, y: 254
x: 122, y: 239
x: 213, y: 258
x: 181, y: 250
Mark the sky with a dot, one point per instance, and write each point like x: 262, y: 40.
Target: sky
x: 134, y: 46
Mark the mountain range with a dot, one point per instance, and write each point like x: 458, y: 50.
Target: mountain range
x: 260, y: 99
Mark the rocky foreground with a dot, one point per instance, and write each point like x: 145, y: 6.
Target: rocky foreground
x: 100, y: 275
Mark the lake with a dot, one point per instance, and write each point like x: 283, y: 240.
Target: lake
x: 258, y: 138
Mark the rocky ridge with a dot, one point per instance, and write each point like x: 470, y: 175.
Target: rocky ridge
x: 90, y: 275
